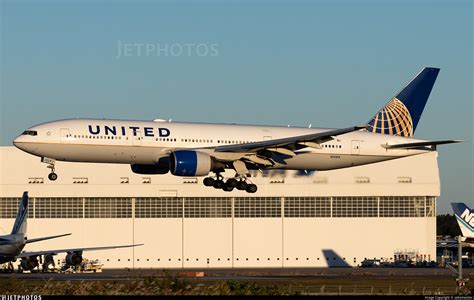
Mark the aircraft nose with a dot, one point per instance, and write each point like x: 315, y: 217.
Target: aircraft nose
x: 22, y: 143
x: 17, y: 141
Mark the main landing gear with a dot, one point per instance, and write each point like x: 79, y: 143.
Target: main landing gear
x: 52, y: 176
x: 231, y: 183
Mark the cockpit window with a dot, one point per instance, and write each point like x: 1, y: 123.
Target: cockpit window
x: 30, y: 132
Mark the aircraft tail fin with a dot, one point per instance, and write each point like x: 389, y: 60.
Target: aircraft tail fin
x: 22, y: 215
x: 401, y: 114
x: 465, y: 218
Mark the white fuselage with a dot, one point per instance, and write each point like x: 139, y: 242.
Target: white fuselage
x: 10, y: 246
x: 145, y: 142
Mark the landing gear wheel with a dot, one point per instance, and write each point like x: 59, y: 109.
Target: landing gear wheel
x: 208, y: 181
x: 219, y: 184
x: 52, y: 176
x: 251, y: 188
x: 227, y: 188
x: 242, y: 185
x: 232, y: 182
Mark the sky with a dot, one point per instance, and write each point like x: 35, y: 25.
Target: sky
x: 325, y: 63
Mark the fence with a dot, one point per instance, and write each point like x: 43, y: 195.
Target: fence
x: 373, y: 290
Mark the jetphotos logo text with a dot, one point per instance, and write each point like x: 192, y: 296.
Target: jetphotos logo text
x: 138, y: 49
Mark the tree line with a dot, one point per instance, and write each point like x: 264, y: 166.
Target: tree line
x: 447, y: 225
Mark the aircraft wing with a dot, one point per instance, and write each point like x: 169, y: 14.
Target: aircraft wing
x: 420, y: 144
x: 291, y: 143
x: 37, y: 253
x: 46, y: 238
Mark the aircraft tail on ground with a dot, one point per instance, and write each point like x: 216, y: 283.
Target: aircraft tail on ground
x: 401, y: 114
x: 21, y: 216
x: 465, y: 218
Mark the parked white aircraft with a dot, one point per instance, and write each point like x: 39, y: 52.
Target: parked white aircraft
x: 11, y: 245
x: 196, y: 149
x: 465, y: 217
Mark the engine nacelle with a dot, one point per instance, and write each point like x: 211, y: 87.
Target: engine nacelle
x: 190, y: 163
x: 161, y: 167
x: 73, y: 259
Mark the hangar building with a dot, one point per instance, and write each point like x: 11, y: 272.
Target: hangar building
x: 295, y: 219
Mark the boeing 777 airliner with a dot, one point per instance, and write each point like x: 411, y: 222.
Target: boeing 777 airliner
x: 197, y: 149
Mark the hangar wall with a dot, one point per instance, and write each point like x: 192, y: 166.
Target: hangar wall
x: 330, y: 218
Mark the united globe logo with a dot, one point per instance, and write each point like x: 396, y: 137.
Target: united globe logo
x: 393, y: 119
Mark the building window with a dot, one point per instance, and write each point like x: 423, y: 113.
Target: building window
x: 55, y: 208
x: 207, y: 207
x: 9, y: 208
x: 308, y: 207
x: 354, y: 207
x: 257, y: 207
x: 108, y: 208
x: 430, y: 207
x: 163, y: 207
x: 402, y: 206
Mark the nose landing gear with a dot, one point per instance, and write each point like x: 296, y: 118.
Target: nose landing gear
x: 52, y: 176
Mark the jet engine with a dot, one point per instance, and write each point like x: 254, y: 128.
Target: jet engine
x: 161, y: 167
x: 191, y: 163
x: 73, y: 258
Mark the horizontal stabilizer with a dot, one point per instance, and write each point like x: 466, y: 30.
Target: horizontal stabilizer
x: 46, y: 238
x: 415, y: 145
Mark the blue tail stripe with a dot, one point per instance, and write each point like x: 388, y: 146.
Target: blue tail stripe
x: 22, y: 214
x: 403, y: 111
x: 459, y: 208
x: 416, y: 93
x: 464, y: 223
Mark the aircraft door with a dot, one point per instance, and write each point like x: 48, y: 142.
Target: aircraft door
x: 355, y: 147
x: 64, y: 133
x: 137, y: 140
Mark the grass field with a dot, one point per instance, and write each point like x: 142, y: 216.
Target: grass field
x: 165, y: 283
